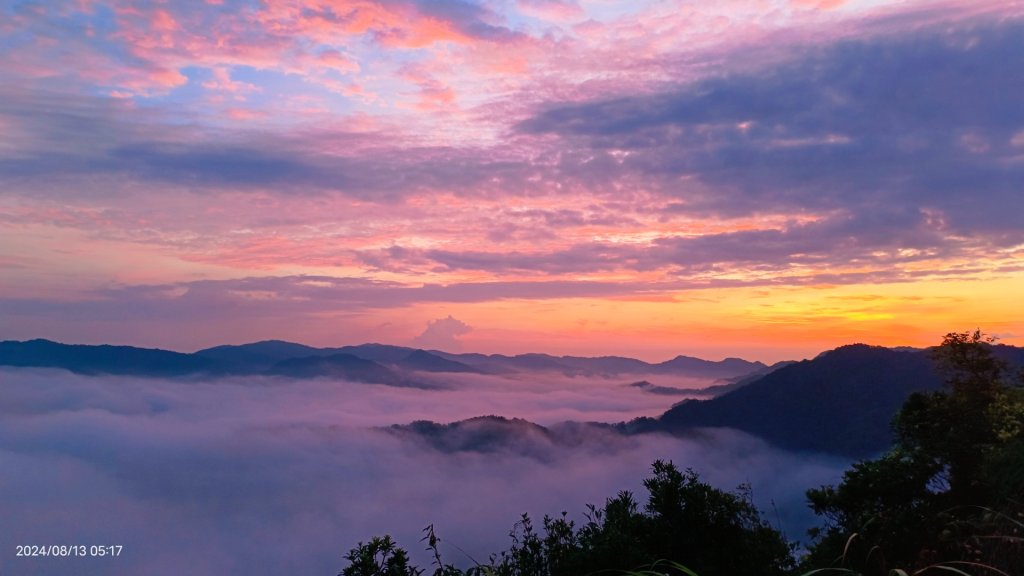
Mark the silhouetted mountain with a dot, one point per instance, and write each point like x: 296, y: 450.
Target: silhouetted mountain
x: 424, y: 361
x: 840, y: 402
x: 606, y: 364
x: 1012, y: 355
x: 342, y: 366
x: 480, y: 363
x: 538, y: 362
x: 739, y: 381
x: 259, y: 356
x: 664, y: 390
x: 376, y: 352
x: 502, y: 364
x: 489, y: 434
x: 104, y: 359
x: 479, y: 434
x: 723, y: 385
x: 728, y: 368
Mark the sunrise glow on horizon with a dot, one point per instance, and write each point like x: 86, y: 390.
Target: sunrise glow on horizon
x: 764, y: 179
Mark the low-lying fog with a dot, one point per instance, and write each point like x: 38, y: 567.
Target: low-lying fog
x: 259, y: 476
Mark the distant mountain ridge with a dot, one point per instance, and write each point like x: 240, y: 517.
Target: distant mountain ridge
x: 104, y: 359
x: 260, y: 355
x: 606, y: 365
x: 276, y: 357
x: 843, y: 399
x: 343, y: 366
x: 841, y: 402
x: 497, y: 434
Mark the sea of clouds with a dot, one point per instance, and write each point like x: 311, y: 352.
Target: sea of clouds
x: 271, y: 476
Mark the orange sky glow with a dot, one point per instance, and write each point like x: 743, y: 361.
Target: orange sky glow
x: 764, y: 180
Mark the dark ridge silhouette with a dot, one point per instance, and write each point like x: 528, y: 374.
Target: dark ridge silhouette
x: 535, y: 362
x: 502, y: 364
x: 262, y: 357
x: 841, y: 402
x: 664, y: 390
x: 342, y: 366
x: 606, y: 364
x: 722, y: 386
x: 739, y: 381
x: 728, y: 368
x: 259, y: 356
x: 469, y: 358
x: 479, y: 434
x: 376, y: 352
x: 494, y: 434
x: 423, y: 361
x: 1012, y: 355
x: 105, y: 359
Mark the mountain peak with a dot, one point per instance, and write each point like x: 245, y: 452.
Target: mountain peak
x: 841, y: 401
x: 420, y: 359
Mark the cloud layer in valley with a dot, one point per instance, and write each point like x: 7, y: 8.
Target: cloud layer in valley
x: 263, y: 477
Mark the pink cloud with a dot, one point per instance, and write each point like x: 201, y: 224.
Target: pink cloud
x: 408, y: 141
x: 552, y: 10
x: 337, y: 61
x: 163, y: 22
x: 443, y: 334
x: 433, y: 93
x: 245, y: 114
x: 221, y: 81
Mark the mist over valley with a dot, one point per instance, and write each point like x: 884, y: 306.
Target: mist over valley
x: 254, y: 470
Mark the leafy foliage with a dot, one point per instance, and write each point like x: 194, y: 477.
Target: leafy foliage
x: 933, y: 498
x: 379, y: 557
x: 685, y: 521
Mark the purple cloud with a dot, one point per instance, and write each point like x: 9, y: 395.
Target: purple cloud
x: 885, y: 125
x: 443, y: 334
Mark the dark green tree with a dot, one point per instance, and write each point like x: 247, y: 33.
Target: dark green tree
x: 616, y: 535
x: 685, y: 521
x: 709, y: 530
x: 951, y: 459
x: 379, y: 557
x: 961, y: 427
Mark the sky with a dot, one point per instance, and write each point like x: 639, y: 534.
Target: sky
x: 757, y: 178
